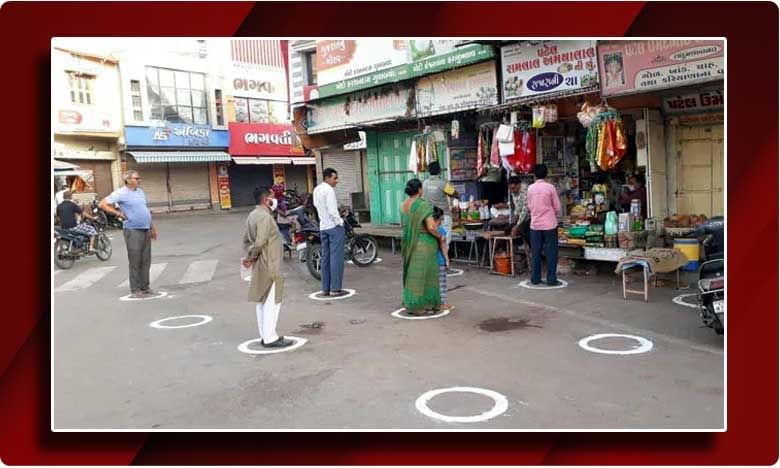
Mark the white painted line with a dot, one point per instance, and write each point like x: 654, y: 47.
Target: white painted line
x: 86, y: 279
x: 248, y: 278
x: 645, y: 345
x: 244, y: 347
x: 378, y: 260
x: 154, y: 272
x: 199, y: 272
x: 542, y: 286
x: 398, y: 313
x: 317, y: 296
x: 499, y: 407
x: 680, y: 300
x: 156, y: 296
x: 457, y: 271
x: 203, y: 319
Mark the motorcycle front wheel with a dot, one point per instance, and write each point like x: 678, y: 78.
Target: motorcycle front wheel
x: 314, y: 260
x: 103, y: 247
x: 364, y: 250
x: 62, y: 256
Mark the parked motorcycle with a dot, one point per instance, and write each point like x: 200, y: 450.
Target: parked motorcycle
x: 298, y: 242
x: 70, y: 246
x: 711, y: 296
x: 361, y: 249
x: 106, y: 219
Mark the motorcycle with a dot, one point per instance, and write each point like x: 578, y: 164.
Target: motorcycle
x: 106, y: 219
x: 298, y: 242
x: 70, y: 246
x: 711, y: 296
x: 361, y: 249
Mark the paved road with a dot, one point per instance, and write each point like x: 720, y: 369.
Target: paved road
x: 363, y: 368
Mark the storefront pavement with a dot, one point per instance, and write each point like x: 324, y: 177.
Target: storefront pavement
x: 361, y: 367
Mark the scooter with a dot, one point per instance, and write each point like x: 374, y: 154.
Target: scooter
x: 711, y: 297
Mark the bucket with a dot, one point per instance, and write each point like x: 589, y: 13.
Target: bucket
x: 503, y: 263
x: 689, y: 248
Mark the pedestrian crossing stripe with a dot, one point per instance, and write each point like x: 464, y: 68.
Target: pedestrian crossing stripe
x: 86, y: 279
x: 199, y: 272
x: 154, y: 272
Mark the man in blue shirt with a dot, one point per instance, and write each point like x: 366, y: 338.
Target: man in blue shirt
x: 139, y: 231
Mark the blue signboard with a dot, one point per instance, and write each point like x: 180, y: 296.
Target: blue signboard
x: 177, y: 135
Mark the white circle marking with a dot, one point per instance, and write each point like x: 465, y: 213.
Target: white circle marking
x: 500, y: 406
x: 156, y: 296
x: 398, y: 314
x: 679, y: 300
x: 244, y: 347
x: 457, y: 271
x: 542, y: 286
x: 204, y: 319
x: 317, y: 296
x: 378, y: 260
x: 645, y: 345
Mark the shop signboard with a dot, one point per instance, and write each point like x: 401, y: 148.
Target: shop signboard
x: 168, y: 134
x: 347, y: 66
x: 358, y: 145
x: 223, y: 183
x: 256, y: 70
x: 374, y: 106
x: 263, y: 139
x: 457, y: 90
x: 533, y: 69
x: 702, y: 101
x: 638, y: 66
x: 85, y: 120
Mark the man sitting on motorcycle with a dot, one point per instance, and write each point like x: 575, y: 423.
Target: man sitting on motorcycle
x: 67, y: 211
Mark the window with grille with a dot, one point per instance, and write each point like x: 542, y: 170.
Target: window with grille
x: 135, y: 96
x: 82, y: 89
x: 251, y: 110
x: 220, y: 107
x: 311, y: 67
x: 177, y: 96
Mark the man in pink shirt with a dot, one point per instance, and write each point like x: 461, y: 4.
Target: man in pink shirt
x: 544, y: 205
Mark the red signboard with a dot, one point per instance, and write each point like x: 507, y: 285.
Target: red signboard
x: 263, y: 139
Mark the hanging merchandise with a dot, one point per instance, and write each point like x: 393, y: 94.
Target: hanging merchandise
x: 506, y: 140
x: 412, y: 165
x: 524, y: 158
x: 480, y: 153
x: 455, y: 130
x: 605, y: 143
x: 495, y: 158
x: 551, y: 113
x: 537, y: 113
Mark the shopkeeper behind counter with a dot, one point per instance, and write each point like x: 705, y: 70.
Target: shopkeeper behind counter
x: 636, y: 191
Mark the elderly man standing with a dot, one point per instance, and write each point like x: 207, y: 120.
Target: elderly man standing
x: 264, y: 251
x: 139, y: 232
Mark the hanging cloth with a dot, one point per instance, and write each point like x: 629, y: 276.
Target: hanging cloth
x: 495, y: 158
x: 412, y: 163
x: 525, y: 151
x: 480, y: 152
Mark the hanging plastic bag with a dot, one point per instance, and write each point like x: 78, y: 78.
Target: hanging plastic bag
x: 537, y: 117
x: 412, y: 164
x: 551, y: 113
x: 246, y: 273
x: 506, y: 140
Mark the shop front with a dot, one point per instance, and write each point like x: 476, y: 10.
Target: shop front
x: 265, y: 154
x: 350, y: 162
x: 177, y: 163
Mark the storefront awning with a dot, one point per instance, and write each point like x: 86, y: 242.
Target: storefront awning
x: 273, y: 160
x: 62, y: 166
x: 149, y: 157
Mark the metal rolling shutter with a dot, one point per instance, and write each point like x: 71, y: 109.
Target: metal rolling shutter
x: 244, y: 179
x: 189, y: 184
x: 154, y: 184
x: 347, y: 164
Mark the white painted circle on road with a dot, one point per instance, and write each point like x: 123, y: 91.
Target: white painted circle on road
x: 317, y: 296
x: 500, y: 404
x: 378, y: 260
x: 248, y: 278
x: 203, y: 319
x: 542, y: 286
x: 456, y: 271
x: 398, y: 313
x: 157, y: 295
x: 244, y: 347
x: 680, y: 300
x: 645, y: 345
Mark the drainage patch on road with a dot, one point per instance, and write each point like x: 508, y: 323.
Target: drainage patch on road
x: 500, y: 405
x: 245, y: 346
x: 542, y: 286
x: 157, y: 295
x: 402, y: 314
x: 680, y: 300
x: 159, y: 323
x: 644, y: 345
x: 505, y: 324
x: 378, y: 260
x: 313, y: 328
x: 317, y: 296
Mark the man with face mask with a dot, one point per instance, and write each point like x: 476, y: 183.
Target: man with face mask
x: 636, y: 191
x: 263, y: 246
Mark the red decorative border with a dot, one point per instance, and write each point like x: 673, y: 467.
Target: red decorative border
x: 752, y: 57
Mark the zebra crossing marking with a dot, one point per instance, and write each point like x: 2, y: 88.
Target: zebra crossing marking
x: 86, y: 279
x: 154, y: 272
x: 199, y: 272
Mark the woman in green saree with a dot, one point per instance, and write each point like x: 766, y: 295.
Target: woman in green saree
x: 420, y: 245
